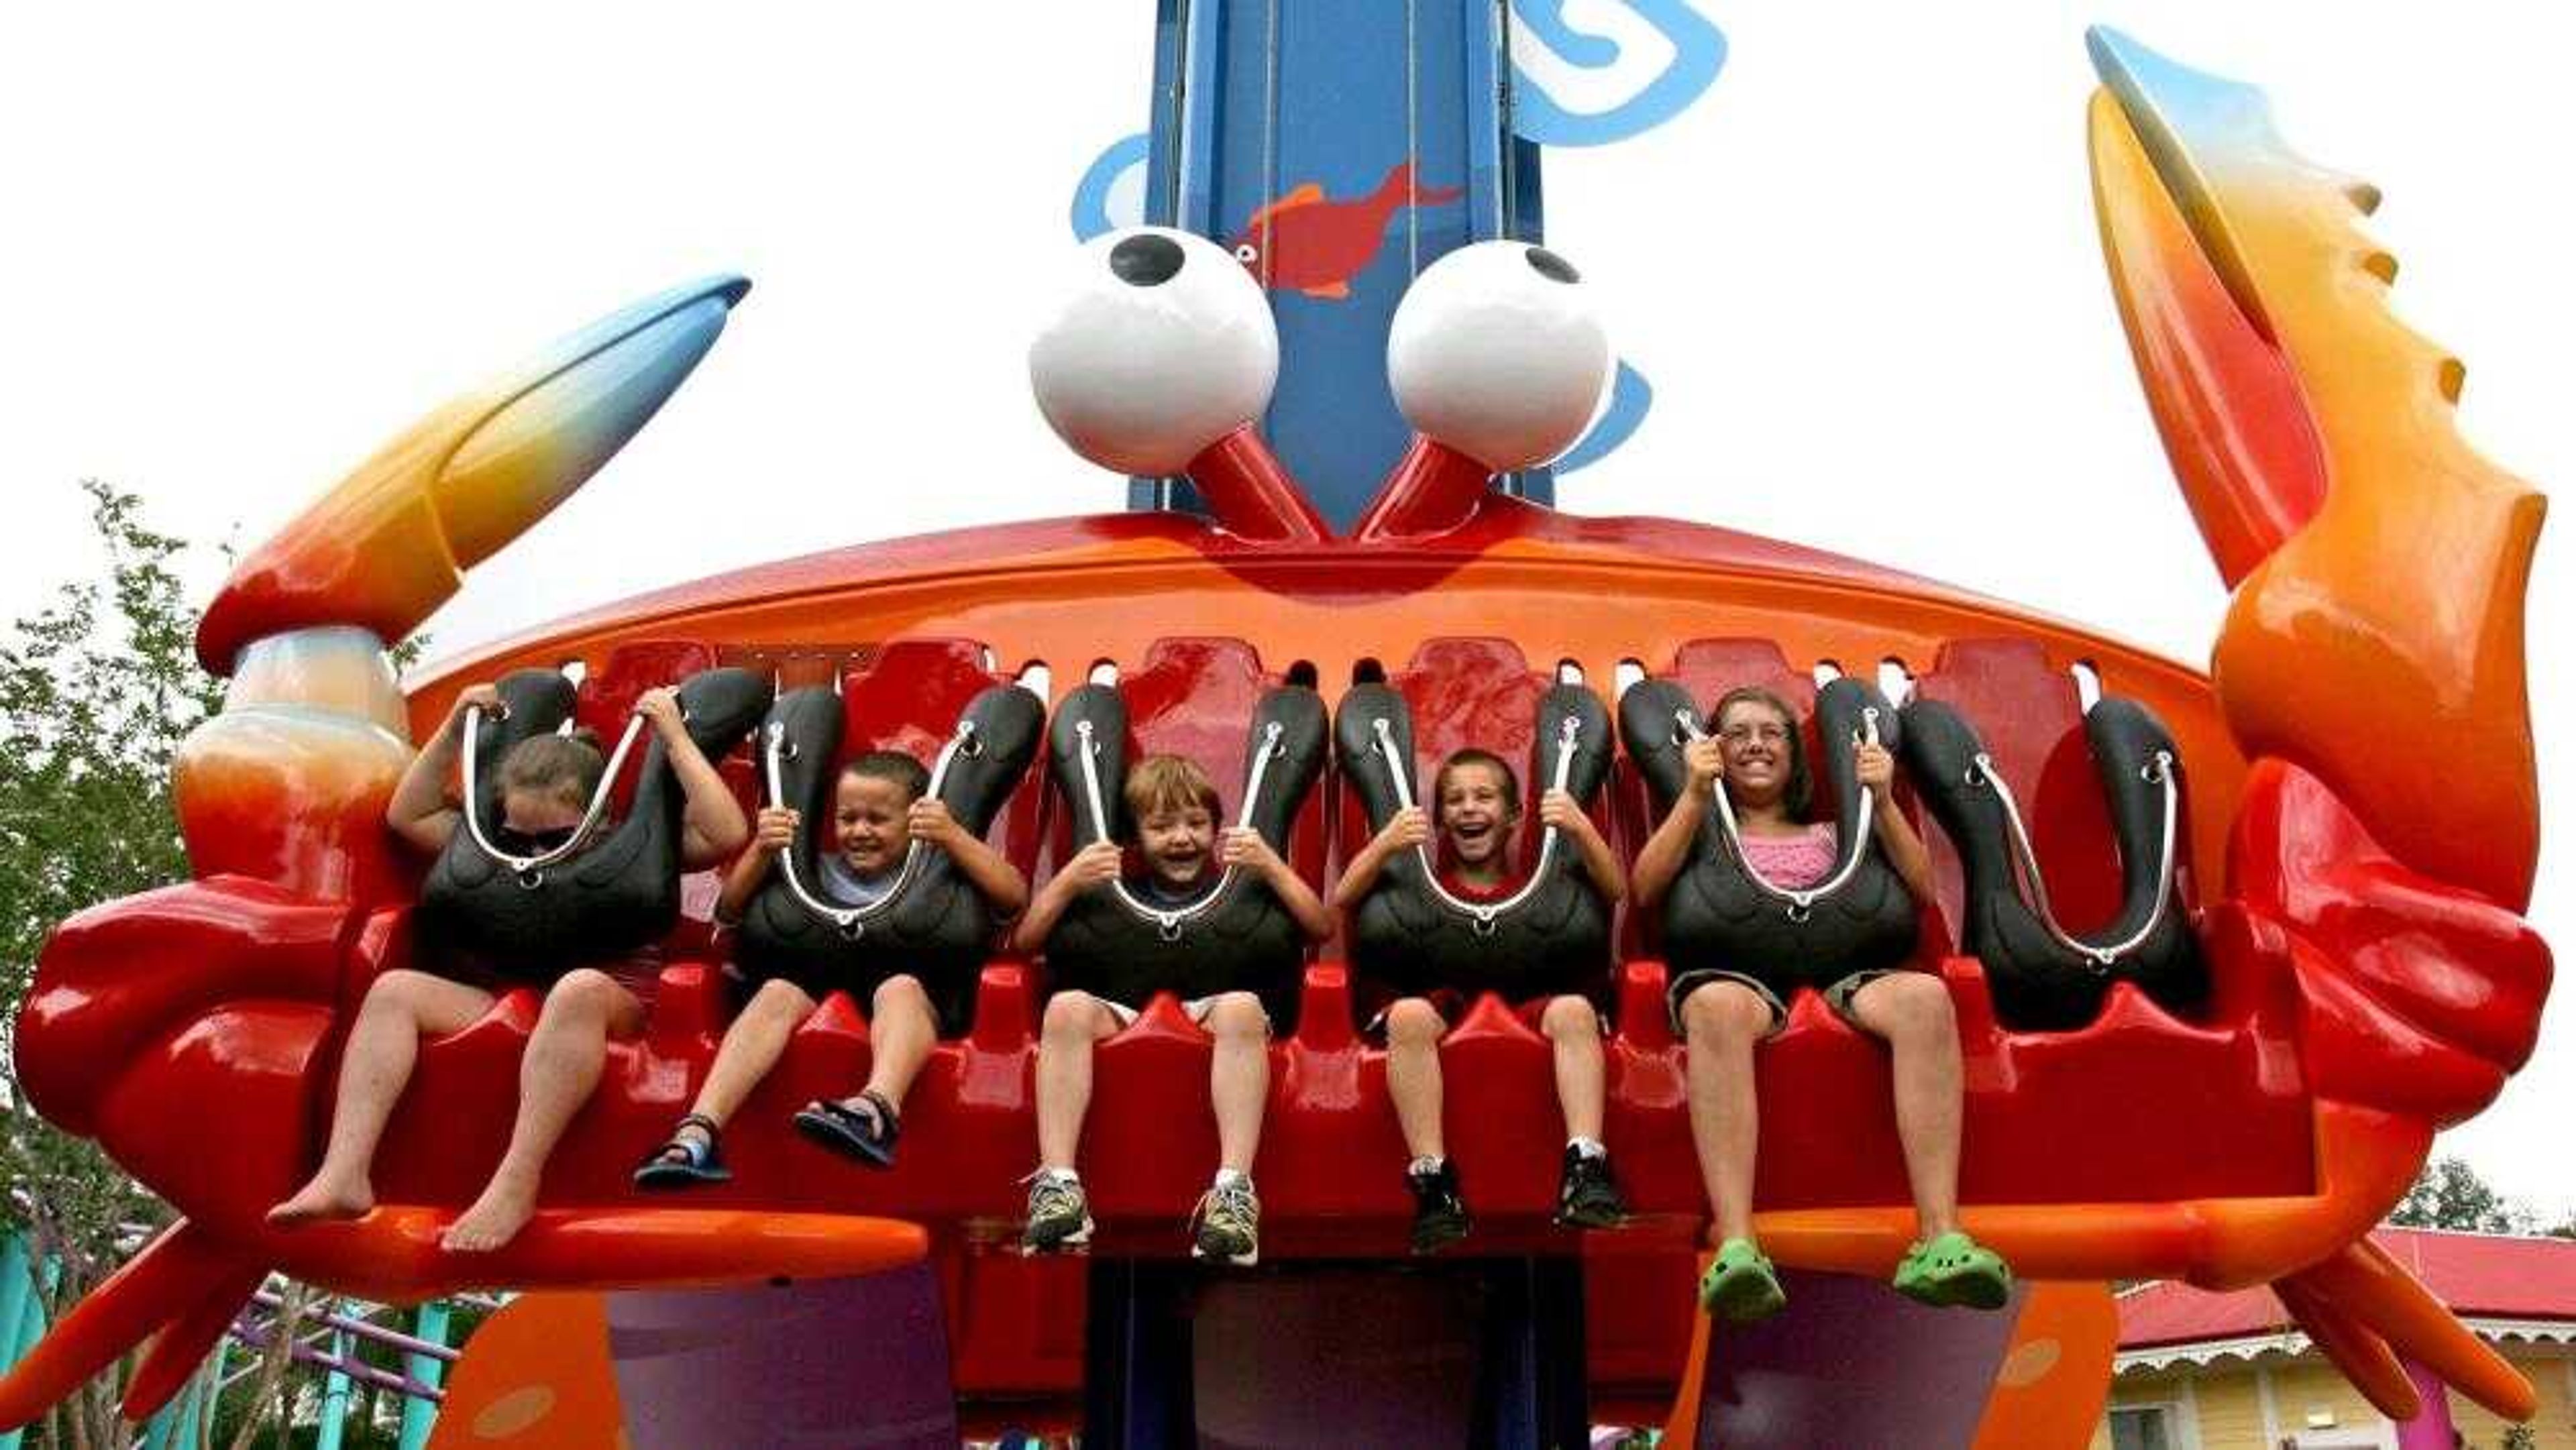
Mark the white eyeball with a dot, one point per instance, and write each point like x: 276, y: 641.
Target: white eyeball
x: 1495, y: 352
x: 1163, y: 345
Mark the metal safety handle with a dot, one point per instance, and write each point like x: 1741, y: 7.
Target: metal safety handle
x: 851, y: 921
x: 2033, y: 889
x: 1801, y: 901
x: 531, y: 870
x: 1169, y: 921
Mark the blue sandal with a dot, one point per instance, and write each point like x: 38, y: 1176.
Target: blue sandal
x: 866, y: 1139
x: 686, y: 1162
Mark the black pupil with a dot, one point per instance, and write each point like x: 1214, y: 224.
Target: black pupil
x: 1147, y: 261
x: 1551, y: 266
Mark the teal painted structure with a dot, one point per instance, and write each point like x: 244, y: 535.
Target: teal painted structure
x: 421, y: 1416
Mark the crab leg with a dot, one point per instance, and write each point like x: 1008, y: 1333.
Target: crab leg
x: 2355, y: 1348
x: 2376, y: 558
x: 173, y: 1276
x: 184, y: 1342
x: 2365, y: 1285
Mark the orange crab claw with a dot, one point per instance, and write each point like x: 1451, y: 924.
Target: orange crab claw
x: 388, y: 545
x: 2381, y: 561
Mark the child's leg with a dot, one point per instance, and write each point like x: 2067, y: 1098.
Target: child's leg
x: 751, y: 1047
x: 1912, y: 1011
x: 1074, y: 1022
x: 1573, y: 1028
x: 1239, y: 1076
x: 1721, y: 1021
x: 400, y: 1009
x: 902, y: 1029
x: 1413, y: 1032
x: 563, y: 1062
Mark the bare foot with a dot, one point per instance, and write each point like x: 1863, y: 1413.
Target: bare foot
x: 492, y: 1221
x: 324, y: 1200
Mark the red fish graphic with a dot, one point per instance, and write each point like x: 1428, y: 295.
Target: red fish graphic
x: 1305, y: 243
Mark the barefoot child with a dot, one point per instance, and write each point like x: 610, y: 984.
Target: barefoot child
x: 879, y: 809
x: 1478, y: 805
x: 1175, y: 809
x: 546, y: 783
x: 1722, y: 1014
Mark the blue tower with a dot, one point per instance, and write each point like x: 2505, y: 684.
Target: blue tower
x: 1348, y: 144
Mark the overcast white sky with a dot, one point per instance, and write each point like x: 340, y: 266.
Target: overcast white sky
x: 1862, y: 274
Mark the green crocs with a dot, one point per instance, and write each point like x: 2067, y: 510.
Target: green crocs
x: 1954, y: 1269
x: 1739, y: 1286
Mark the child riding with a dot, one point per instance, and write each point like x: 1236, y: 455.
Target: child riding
x: 880, y: 808
x: 1722, y: 1014
x: 1175, y: 810
x: 1478, y: 805
x: 546, y: 784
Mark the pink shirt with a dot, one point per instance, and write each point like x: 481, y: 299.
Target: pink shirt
x: 1795, y: 862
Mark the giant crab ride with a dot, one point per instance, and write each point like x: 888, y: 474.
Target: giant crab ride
x: 2346, y: 907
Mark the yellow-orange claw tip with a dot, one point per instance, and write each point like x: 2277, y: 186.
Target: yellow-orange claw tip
x: 386, y: 546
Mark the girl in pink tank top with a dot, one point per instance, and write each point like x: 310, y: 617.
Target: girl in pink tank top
x: 1795, y: 862
x: 1756, y: 758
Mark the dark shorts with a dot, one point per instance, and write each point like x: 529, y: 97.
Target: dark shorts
x: 952, y: 995
x: 1838, y: 994
x: 640, y: 974
x: 1453, y: 1004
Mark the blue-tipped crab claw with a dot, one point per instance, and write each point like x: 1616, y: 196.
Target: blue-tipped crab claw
x: 389, y: 544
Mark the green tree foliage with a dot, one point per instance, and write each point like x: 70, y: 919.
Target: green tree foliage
x: 2450, y: 1194
x: 97, y: 689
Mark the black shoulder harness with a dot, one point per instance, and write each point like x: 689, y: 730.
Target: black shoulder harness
x: 2043, y: 975
x: 1553, y: 935
x: 545, y: 913
x: 933, y: 921
x: 1238, y: 937
x: 1720, y: 915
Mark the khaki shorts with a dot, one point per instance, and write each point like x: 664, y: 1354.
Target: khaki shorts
x: 1838, y: 994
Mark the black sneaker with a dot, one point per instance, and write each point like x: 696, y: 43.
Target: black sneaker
x: 1439, y: 1214
x: 1586, y: 1197
x: 1059, y: 1216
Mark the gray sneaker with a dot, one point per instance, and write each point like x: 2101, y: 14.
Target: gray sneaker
x: 1228, y: 1225
x: 1059, y: 1217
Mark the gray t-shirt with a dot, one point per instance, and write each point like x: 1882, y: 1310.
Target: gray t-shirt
x: 845, y: 887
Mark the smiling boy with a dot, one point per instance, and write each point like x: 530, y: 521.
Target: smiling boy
x: 1479, y: 805
x: 879, y: 808
x: 1175, y: 810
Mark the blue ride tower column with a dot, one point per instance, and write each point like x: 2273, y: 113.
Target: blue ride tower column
x: 1282, y: 127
